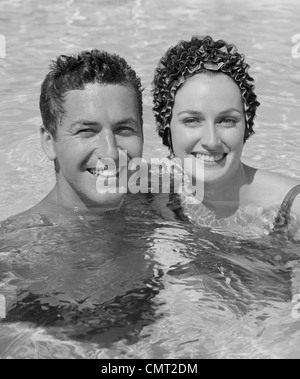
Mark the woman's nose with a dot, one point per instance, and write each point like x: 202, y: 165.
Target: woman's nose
x: 209, y: 136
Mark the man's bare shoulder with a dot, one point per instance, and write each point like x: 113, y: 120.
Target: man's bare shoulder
x: 37, y: 216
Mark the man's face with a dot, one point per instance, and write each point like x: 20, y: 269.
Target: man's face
x: 101, y: 124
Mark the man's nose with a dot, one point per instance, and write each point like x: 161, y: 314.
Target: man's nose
x: 107, y: 147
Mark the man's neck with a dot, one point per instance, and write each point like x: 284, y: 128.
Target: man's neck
x: 62, y: 203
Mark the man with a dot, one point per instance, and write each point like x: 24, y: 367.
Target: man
x: 89, y: 269
x: 91, y: 107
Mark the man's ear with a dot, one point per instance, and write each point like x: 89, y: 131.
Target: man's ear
x: 47, y: 143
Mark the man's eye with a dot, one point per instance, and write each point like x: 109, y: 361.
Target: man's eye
x: 86, y: 131
x: 125, y: 130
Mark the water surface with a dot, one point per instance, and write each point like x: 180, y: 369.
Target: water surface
x: 115, y: 286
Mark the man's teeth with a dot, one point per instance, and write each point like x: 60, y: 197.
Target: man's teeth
x: 210, y: 158
x: 105, y: 172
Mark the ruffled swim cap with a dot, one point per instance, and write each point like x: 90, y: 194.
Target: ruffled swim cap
x: 188, y: 58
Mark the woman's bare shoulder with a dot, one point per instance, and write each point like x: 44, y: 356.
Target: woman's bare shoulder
x: 278, y: 178
x: 275, y: 187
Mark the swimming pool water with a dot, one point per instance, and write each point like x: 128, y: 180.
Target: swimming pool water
x: 115, y: 286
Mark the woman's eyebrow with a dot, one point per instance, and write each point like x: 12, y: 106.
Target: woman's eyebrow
x: 192, y: 112
x: 230, y: 110
x: 198, y: 113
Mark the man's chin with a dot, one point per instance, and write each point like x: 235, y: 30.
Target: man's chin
x: 108, y: 201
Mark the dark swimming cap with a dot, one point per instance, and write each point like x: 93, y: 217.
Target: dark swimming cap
x: 188, y: 58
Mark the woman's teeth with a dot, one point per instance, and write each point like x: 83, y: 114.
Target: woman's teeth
x: 210, y: 157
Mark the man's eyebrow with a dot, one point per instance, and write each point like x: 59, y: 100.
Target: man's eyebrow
x: 129, y: 120
x: 84, y: 123
x: 89, y: 123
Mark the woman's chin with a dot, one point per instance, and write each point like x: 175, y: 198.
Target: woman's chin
x: 206, y: 178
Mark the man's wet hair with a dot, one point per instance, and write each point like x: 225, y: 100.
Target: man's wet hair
x: 74, y: 72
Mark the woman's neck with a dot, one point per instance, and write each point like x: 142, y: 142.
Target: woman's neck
x: 224, y: 197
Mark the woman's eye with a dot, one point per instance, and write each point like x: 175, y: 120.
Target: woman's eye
x: 191, y: 121
x: 228, y: 122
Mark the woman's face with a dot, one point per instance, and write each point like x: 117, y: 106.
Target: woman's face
x: 208, y: 127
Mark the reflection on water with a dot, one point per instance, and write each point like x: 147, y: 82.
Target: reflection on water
x: 131, y: 284
x: 118, y: 287
x: 85, y: 278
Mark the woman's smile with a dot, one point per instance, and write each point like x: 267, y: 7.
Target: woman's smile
x: 209, y: 157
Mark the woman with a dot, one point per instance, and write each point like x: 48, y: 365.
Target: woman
x: 205, y: 105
